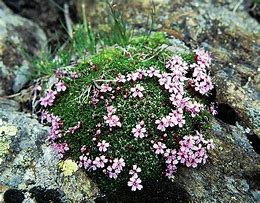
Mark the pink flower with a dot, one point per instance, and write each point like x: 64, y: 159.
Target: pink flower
x: 159, y: 148
x: 204, y: 86
x: 112, y: 173
x: 105, y: 88
x: 137, y: 91
x: 141, y: 73
x: 135, y: 169
x: 201, y: 80
x: 121, y: 78
x: 152, y: 72
x: 162, y: 124
x: 60, y: 149
x: 171, y: 161
x: 192, y: 150
x: 59, y: 73
x: 99, y: 162
x: 164, y: 78
x: 170, y: 155
x: 132, y: 76
x: 49, y: 98
x: 83, y: 149
x: 139, y: 131
x: 74, y: 75
x: 112, y: 120
x: 203, y: 57
x: 175, y: 62
x: 45, y: 101
x: 103, y: 146
x: 73, y: 129
x: 170, y: 86
x: 118, y: 164
x: 135, y: 183
x: 177, y: 117
x: 84, y: 162
x: 111, y: 110
x: 213, y: 110
x: 199, y: 73
x: 210, y: 145
x: 60, y: 86
x: 194, y: 108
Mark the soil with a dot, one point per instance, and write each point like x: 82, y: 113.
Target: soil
x: 163, y: 191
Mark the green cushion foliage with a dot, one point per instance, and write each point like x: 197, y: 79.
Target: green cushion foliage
x: 75, y: 105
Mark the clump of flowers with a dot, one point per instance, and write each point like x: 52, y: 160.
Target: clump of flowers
x: 111, y: 119
x: 139, y: 123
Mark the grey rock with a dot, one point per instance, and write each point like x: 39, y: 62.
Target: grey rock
x: 27, y: 161
x: 9, y: 105
x: 227, y: 30
x: 19, y: 38
x: 232, y: 172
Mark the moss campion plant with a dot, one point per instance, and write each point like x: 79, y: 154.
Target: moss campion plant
x: 129, y: 115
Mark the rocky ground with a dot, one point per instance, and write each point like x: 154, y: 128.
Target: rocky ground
x: 229, y: 29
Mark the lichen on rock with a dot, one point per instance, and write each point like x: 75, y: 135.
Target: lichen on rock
x: 27, y: 161
x: 8, y: 132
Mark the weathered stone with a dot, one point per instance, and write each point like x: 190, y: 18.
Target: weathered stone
x: 19, y: 38
x: 232, y: 173
x: 27, y: 161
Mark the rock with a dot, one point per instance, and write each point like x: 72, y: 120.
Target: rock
x: 27, y: 163
x: 9, y: 105
x: 232, y: 173
x: 47, y: 15
x: 226, y: 29
x: 19, y: 39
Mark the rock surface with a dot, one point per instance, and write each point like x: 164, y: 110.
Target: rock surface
x: 19, y: 39
x: 231, y: 175
x: 48, y: 15
x: 27, y: 163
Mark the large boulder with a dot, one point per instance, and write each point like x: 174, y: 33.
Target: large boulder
x: 232, y: 173
x: 29, y: 165
x: 20, y: 40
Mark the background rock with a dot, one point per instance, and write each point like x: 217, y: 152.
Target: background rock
x: 232, y: 173
x: 20, y: 39
x: 49, y: 15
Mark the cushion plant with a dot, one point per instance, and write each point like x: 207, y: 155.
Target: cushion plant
x: 133, y: 114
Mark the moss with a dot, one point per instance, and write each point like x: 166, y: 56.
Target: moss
x: 153, y: 41
x: 75, y: 105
